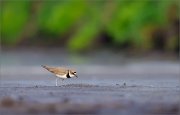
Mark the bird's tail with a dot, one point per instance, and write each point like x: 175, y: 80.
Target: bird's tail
x: 47, y: 68
x: 44, y: 66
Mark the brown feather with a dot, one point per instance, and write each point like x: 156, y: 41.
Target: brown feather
x: 59, y: 71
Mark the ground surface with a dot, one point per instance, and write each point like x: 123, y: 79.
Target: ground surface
x: 105, y: 85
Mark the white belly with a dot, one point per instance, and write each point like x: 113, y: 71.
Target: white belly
x: 61, y: 76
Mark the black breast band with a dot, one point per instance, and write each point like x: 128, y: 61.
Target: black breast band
x: 67, y: 75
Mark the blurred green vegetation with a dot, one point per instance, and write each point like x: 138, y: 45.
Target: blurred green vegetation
x: 82, y: 25
x: 13, y: 18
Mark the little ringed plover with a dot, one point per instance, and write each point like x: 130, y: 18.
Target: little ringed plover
x: 62, y: 73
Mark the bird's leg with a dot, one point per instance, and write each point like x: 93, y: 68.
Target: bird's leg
x: 62, y: 80
x: 56, y: 81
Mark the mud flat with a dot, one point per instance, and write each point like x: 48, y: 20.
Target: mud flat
x: 87, y: 98
x: 109, y: 85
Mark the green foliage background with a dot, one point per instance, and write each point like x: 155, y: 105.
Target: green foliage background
x: 78, y: 23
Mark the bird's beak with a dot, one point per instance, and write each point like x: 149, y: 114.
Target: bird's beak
x: 76, y: 75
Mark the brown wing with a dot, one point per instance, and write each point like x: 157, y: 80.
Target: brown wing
x: 60, y: 71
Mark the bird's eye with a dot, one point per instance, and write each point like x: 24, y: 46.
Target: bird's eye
x: 74, y: 72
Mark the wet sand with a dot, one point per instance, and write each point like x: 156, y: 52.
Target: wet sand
x: 88, y: 98
x: 133, y: 88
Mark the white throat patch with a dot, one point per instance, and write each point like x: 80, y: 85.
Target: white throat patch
x: 71, y: 75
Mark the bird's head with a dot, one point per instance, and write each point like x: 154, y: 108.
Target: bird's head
x: 73, y: 73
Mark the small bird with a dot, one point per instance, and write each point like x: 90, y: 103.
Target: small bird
x: 62, y: 73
